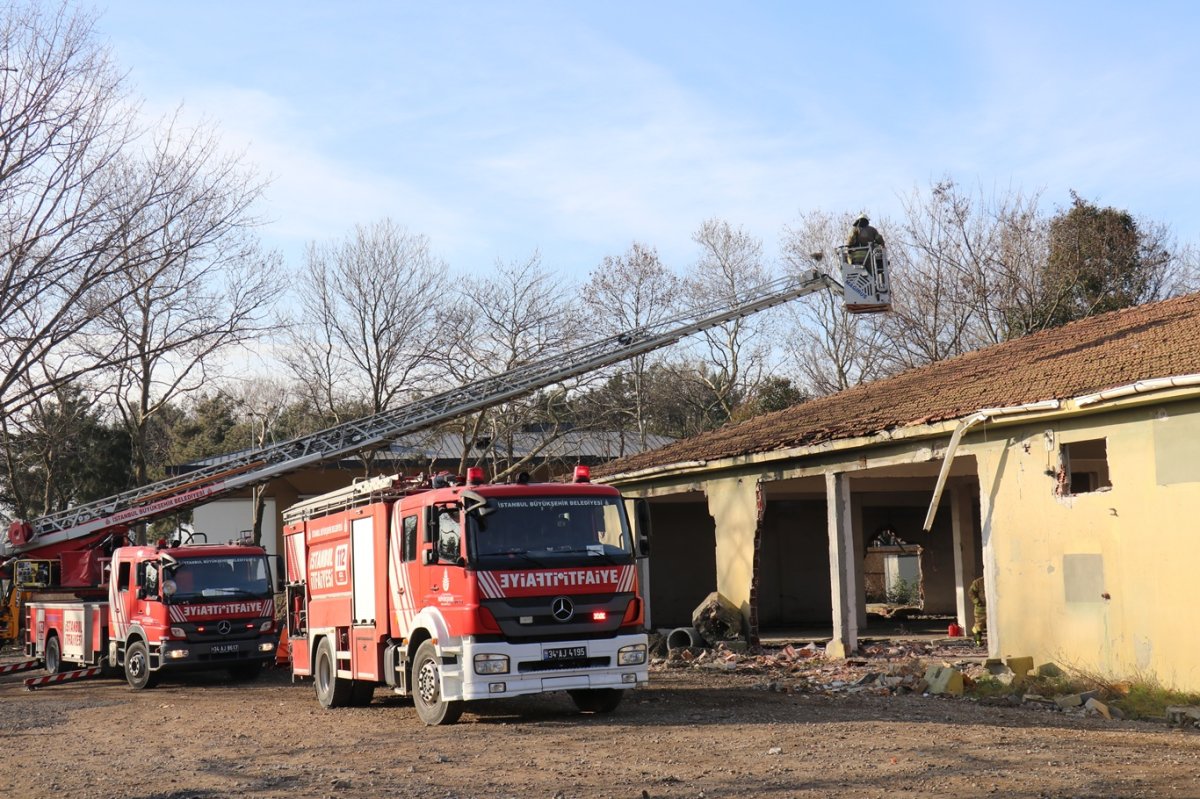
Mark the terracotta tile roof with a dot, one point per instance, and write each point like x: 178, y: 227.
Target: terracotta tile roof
x: 1157, y: 340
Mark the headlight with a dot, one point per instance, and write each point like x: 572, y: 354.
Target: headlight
x: 633, y: 655
x: 177, y: 632
x: 491, y: 664
x: 266, y: 626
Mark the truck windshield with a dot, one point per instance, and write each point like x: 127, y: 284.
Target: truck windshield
x: 521, y: 532
x: 229, y: 576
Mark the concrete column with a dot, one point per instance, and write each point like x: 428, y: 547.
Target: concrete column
x: 733, y: 505
x: 841, y: 569
x: 964, y: 551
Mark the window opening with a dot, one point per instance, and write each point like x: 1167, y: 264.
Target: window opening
x: 1084, y: 467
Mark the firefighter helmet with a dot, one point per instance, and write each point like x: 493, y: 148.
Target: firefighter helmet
x: 861, y: 219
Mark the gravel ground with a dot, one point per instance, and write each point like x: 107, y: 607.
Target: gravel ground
x: 692, y: 732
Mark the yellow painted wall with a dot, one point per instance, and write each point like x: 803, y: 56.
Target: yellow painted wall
x: 1050, y: 559
x: 732, y: 504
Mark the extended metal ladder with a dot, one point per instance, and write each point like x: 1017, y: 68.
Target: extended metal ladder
x: 248, y: 468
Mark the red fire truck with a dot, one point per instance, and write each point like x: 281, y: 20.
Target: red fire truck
x: 466, y: 592
x: 196, y: 606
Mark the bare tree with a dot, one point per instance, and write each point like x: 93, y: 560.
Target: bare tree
x: 64, y: 118
x: 626, y: 292
x: 193, y: 283
x: 830, y: 348
x: 932, y: 300
x: 521, y: 314
x: 367, y: 319
x: 736, y: 352
x: 261, y: 405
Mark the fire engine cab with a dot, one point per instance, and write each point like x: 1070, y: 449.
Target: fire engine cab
x: 195, y: 606
x: 466, y: 593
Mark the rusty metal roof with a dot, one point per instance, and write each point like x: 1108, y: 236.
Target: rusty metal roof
x: 1156, y: 340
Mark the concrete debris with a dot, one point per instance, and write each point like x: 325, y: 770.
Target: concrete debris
x: 1183, y: 715
x: 1050, y: 670
x: 717, y: 619
x: 1020, y: 666
x: 944, y: 680
x: 1095, y: 706
x: 1066, y: 702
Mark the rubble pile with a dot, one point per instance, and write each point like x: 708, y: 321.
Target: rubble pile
x: 930, y: 668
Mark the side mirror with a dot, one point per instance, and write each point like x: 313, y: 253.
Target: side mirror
x: 430, y: 526
x: 277, y: 573
x: 473, y: 502
x: 641, y: 526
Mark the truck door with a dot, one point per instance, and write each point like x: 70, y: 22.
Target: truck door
x: 121, y: 599
x: 442, y: 575
x: 403, y: 566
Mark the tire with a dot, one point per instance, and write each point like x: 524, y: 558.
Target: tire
x: 54, y: 662
x: 362, y: 693
x: 427, y: 688
x: 245, y: 672
x: 332, y: 691
x: 597, y: 700
x: 137, y: 666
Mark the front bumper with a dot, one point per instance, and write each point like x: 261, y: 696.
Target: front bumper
x: 530, y: 672
x: 177, y: 654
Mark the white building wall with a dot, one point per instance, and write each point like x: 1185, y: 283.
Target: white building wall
x: 225, y: 519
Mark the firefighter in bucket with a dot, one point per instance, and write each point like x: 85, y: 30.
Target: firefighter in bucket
x: 864, y: 269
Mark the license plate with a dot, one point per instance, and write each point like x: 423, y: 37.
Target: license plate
x: 221, y: 649
x: 565, y: 653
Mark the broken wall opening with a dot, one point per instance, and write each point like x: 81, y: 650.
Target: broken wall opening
x: 683, y: 558
x: 923, y: 562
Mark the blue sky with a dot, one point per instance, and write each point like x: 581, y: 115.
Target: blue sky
x: 574, y: 129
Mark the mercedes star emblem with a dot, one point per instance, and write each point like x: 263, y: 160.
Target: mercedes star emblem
x: 562, y: 609
x: 223, y: 627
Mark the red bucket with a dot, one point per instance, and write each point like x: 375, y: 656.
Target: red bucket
x: 954, y: 631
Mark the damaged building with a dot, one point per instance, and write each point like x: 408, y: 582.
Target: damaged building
x: 1062, y: 467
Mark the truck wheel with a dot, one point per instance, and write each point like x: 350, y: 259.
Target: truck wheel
x: 331, y: 691
x: 53, y: 655
x: 427, y: 688
x: 137, y: 666
x: 244, y: 672
x: 597, y: 700
x: 362, y: 693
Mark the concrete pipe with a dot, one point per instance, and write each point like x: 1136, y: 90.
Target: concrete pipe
x: 682, y: 637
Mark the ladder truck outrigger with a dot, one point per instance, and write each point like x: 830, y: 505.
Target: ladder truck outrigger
x: 92, y: 600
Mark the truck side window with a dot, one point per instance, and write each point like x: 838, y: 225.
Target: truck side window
x: 448, y: 537
x: 123, y: 577
x: 408, y: 548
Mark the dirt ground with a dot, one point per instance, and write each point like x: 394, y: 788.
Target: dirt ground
x: 691, y: 732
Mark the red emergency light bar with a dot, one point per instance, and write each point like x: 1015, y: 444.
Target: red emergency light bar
x: 475, y: 475
x: 583, y: 474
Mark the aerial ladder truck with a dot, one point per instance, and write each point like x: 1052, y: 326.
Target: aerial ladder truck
x: 128, y: 608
